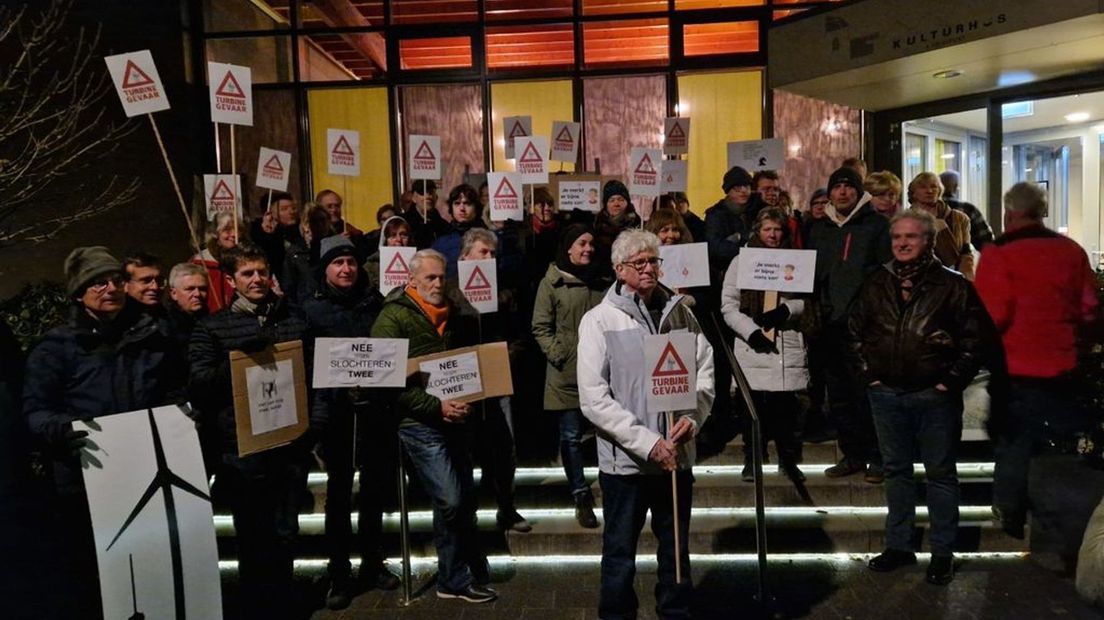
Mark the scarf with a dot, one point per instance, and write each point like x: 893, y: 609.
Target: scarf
x: 540, y: 227
x: 438, y: 316
x: 260, y: 309
x: 908, y: 274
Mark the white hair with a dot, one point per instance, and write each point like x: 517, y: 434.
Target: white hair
x: 477, y: 234
x: 1026, y: 198
x: 183, y: 270
x: 632, y: 242
x: 427, y: 254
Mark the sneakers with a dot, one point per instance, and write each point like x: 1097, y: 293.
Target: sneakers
x: 940, y: 570
x: 890, y: 560
x: 846, y: 467
x: 874, y: 474
x: 584, y: 511
x: 471, y: 594
x: 511, y: 520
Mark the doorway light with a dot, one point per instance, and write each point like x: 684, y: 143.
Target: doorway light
x: 1017, y: 109
x: 1078, y: 117
x: 947, y: 74
x: 948, y: 156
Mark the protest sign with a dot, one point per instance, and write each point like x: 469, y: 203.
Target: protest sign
x: 514, y: 127
x: 644, y: 171
x: 565, y: 141
x: 752, y: 155
x: 673, y: 176
x: 343, y: 148
x: 425, y: 157
x: 453, y: 377
x: 151, y: 515
x: 221, y: 194
x: 671, y: 360
x: 676, y: 135
x: 359, y: 362
x: 685, y: 265
x: 494, y: 371
x: 137, y: 83
x: 273, y: 169
x: 765, y: 269
x: 479, y: 283
x: 394, y: 267
x: 505, y: 196
x: 270, y: 396
x: 578, y: 191
x: 532, y: 160
x: 231, y: 89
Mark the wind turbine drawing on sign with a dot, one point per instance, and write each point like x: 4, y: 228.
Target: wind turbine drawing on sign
x: 164, y: 479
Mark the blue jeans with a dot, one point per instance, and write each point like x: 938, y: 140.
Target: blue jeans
x: 443, y: 466
x: 571, y: 449
x: 626, y: 501
x: 925, y: 424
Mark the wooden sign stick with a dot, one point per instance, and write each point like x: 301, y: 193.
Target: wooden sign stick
x: 176, y: 186
x: 675, y: 506
x: 770, y: 302
x: 234, y: 172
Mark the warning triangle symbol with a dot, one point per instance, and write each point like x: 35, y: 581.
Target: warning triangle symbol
x: 424, y: 152
x: 134, y: 77
x: 230, y: 87
x: 398, y: 265
x: 477, y: 281
x: 531, y: 155
x: 565, y: 135
x: 517, y: 131
x: 669, y: 363
x: 505, y: 189
x: 273, y: 165
x: 676, y: 131
x: 222, y: 191
x: 645, y: 166
x: 341, y: 147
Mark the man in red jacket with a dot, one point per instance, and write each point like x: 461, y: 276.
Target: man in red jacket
x: 1040, y: 291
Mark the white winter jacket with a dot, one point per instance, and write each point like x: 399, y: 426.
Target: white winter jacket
x: 785, y: 371
x: 613, y: 379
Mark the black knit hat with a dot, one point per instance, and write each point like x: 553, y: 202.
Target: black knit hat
x: 735, y: 177
x: 614, y: 188
x: 331, y: 248
x: 847, y: 176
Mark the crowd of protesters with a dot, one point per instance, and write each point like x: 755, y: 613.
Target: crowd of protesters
x: 903, y: 316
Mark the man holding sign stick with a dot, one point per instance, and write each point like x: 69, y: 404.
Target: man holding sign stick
x: 637, y: 444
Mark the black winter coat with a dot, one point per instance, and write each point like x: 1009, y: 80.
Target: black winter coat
x: 846, y: 256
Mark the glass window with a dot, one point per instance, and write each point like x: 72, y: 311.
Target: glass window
x: 220, y: 16
x: 423, y: 12
x: 268, y: 57
x: 454, y: 112
x: 435, y: 53
x: 501, y: 10
x: 720, y: 38
x: 614, y: 7
x: 627, y: 42
x: 916, y: 158
x: 530, y: 46
x: 346, y: 56
x: 948, y: 155
x: 364, y: 13
x: 956, y: 141
x: 545, y: 101
x: 623, y: 112
x: 687, y: 5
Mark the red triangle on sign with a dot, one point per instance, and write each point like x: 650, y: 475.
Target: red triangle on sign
x: 222, y: 191
x: 670, y: 358
x: 230, y: 87
x: 505, y: 189
x: 424, y: 152
x: 676, y: 131
x: 273, y: 165
x: 133, y: 76
x: 341, y: 147
x: 477, y: 281
x: 565, y: 135
x: 518, y: 130
x: 531, y: 155
x: 398, y: 265
x: 645, y: 166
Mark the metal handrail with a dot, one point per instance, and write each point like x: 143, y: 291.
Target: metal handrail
x: 404, y: 530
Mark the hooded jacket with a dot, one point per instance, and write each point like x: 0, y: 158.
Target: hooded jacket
x: 613, y: 382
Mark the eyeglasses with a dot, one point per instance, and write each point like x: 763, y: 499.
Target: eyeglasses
x: 100, y: 284
x: 640, y: 264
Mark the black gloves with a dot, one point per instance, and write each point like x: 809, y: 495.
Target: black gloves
x: 760, y: 343
x: 773, y: 319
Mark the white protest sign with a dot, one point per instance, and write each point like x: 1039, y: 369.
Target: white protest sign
x: 425, y: 157
x: 565, y: 141
x: 676, y: 135
x: 221, y: 194
x: 394, y: 267
x: 673, y: 374
x: 673, y: 173
x: 479, y: 283
x: 136, y: 80
x: 343, y: 148
x: 231, y: 88
x: 644, y: 171
x: 271, y: 396
x: 360, y: 362
x: 273, y: 169
x: 583, y: 195
x: 514, y: 127
x: 151, y: 516
x: 755, y: 155
x: 505, y: 188
x: 453, y: 377
x: 685, y: 265
x: 532, y: 160
x: 765, y: 269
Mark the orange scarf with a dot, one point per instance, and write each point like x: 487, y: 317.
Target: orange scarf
x: 437, y: 316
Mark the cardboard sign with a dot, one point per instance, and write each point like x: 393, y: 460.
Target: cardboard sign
x: 532, y: 159
x: 151, y: 515
x: 394, y: 267
x: 343, y: 152
x: 583, y: 192
x: 453, y: 377
x: 671, y: 360
x: 514, y: 127
x: 137, y: 83
x: 494, y: 370
x: 221, y: 194
x: 685, y: 265
x: 273, y: 169
x: 425, y: 157
x: 752, y: 155
x: 673, y: 175
x: 676, y: 135
x: 479, y: 283
x: 360, y: 362
x: 505, y: 196
x: 565, y: 141
x: 644, y: 167
x: 765, y: 269
x: 270, y: 396
x: 231, y: 88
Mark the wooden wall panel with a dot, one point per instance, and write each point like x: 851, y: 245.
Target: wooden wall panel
x: 819, y: 136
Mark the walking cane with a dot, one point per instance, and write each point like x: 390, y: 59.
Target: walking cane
x: 675, y: 504
x: 404, y: 531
